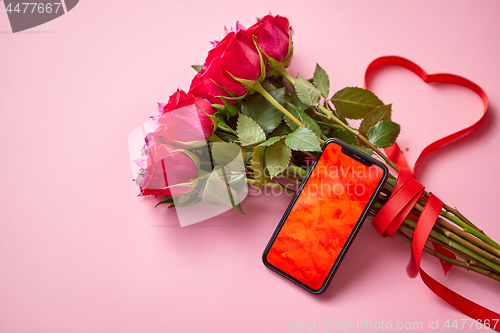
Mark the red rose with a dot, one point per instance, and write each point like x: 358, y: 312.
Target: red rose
x: 273, y: 37
x: 166, y: 166
x: 174, y: 101
x: 236, y: 56
x: 207, y: 83
x: 241, y: 59
x: 184, y: 119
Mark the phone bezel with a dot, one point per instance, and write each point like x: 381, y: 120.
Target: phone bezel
x: 364, y: 158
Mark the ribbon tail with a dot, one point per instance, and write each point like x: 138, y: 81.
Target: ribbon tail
x: 461, y: 303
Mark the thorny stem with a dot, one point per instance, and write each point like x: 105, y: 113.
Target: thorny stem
x: 291, y: 179
x: 296, y: 170
x: 468, y: 263
x: 282, y: 71
x: 258, y: 88
x: 470, y: 230
x: 468, y: 237
x: 487, y: 243
x: 467, y: 244
x: 451, y: 235
x: 455, y: 212
x: 456, y: 262
x: 457, y: 246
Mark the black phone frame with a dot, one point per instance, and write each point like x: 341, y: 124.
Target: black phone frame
x: 360, y: 157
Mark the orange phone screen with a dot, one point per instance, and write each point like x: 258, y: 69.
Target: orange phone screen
x: 323, y: 217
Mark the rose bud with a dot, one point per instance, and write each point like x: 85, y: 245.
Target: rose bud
x: 230, y: 68
x: 241, y: 59
x: 208, y: 82
x: 274, y: 39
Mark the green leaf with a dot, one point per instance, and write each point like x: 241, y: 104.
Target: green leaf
x: 190, y: 201
x: 342, y: 118
x: 281, y: 130
x: 295, y: 101
x: 383, y: 134
x: 231, y: 110
x: 306, y: 91
x: 226, y: 137
x: 277, y: 157
x: 165, y: 199
x: 350, y: 138
x: 354, y: 102
x: 248, y: 154
x: 228, y: 154
x: 264, y: 113
x: 367, y: 151
x: 375, y: 116
x: 249, y: 132
x: 321, y: 81
x: 270, y: 141
x: 303, y: 139
x: 221, y: 122
x: 269, y: 86
x: 304, y: 119
x: 344, y: 135
x: 238, y: 181
x: 218, y: 190
x: 260, y: 175
x: 197, y: 67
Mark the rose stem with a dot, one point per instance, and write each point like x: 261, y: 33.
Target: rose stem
x: 296, y: 170
x: 282, y: 71
x: 456, y: 262
x: 258, y: 88
x: 457, y: 246
x: 469, y: 237
x: 469, y: 259
x: 447, y: 208
x: 450, y: 234
x: 291, y: 179
x: 465, y: 257
x: 409, y: 228
x: 482, y: 240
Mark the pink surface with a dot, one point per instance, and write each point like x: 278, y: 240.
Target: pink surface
x: 79, y: 252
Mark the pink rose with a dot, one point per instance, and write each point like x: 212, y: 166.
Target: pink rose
x: 166, y: 166
x: 182, y: 121
x: 185, y: 119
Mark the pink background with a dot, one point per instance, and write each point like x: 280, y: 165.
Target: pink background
x: 79, y: 252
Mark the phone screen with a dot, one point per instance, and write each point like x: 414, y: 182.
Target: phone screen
x: 332, y: 204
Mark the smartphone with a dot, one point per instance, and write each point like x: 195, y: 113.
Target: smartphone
x: 325, y: 215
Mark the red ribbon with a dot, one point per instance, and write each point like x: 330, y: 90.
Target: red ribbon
x: 408, y: 190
